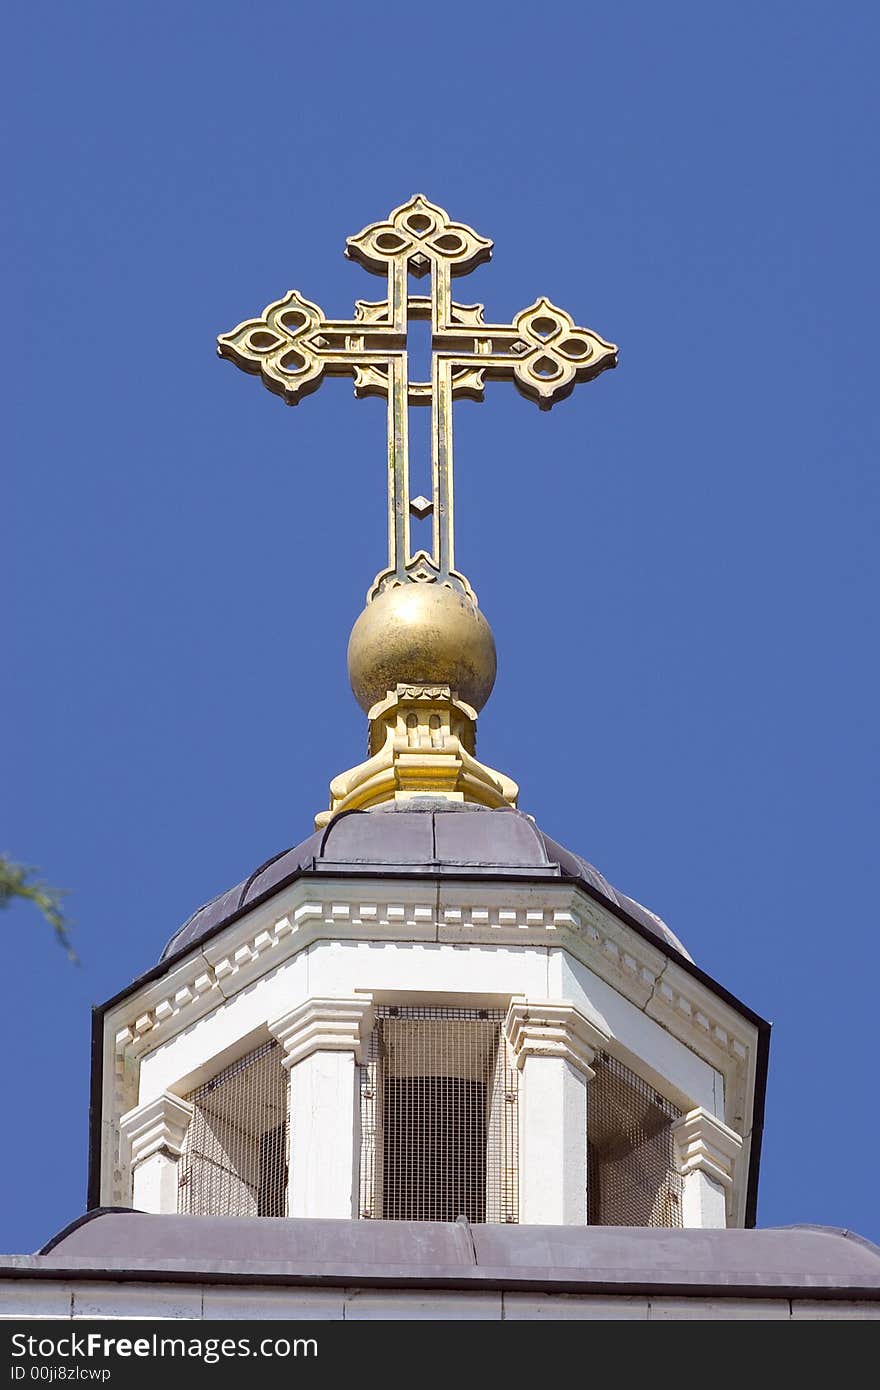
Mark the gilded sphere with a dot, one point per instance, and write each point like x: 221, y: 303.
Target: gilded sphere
x: 421, y: 634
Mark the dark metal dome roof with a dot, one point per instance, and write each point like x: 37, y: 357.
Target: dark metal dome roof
x: 423, y: 837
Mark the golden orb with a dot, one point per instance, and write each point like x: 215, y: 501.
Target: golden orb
x: 421, y: 634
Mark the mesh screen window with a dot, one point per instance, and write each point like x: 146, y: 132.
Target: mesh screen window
x: 632, y: 1174
x: 235, y: 1158
x: 439, y: 1124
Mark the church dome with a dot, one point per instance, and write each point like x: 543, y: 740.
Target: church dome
x: 424, y: 837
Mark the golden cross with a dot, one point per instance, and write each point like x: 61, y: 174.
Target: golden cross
x: 293, y: 345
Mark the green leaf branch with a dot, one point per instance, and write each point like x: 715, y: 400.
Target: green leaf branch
x: 18, y: 881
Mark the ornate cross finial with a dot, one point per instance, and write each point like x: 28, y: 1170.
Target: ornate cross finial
x: 293, y: 345
x: 421, y: 656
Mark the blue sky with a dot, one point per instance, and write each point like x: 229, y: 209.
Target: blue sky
x: 679, y: 562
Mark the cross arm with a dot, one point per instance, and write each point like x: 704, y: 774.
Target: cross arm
x: 292, y: 346
x: 543, y: 351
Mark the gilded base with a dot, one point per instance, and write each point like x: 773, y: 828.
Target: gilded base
x: 422, y: 742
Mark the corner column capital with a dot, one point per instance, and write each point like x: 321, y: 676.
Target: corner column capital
x: 325, y: 1025
x: 553, y: 1029
x: 704, y: 1144
x: 160, y: 1126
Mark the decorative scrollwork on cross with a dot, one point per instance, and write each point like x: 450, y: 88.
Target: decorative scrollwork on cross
x: 292, y: 345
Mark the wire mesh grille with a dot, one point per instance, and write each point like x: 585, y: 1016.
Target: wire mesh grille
x: 235, y: 1158
x: 439, y: 1118
x: 632, y: 1174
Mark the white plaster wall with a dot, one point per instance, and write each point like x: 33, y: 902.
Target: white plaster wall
x: 324, y: 1136
x: 33, y: 1299
x: 155, y: 1184
x: 341, y: 967
x: 553, y: 1125
x: 202, y: 1049
x: 663, y: 1060
x: 331, y: 968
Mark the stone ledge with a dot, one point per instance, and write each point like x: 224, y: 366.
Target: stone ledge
x: 325, y: 1025
x: 160, y: 1126
x: 560, y: 1030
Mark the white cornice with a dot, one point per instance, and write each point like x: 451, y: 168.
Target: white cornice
x: 491, y: 913
x: 325, y: 1025
x: 160, y: 1126
x: 705, y: 1145
x: 545, y: 1028
x: 545, y: 914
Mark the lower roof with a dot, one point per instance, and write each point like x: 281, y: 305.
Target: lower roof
x: 114, y: 1243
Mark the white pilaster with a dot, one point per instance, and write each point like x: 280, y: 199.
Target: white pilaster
x: 707, y: 1155
x: 154, y: 1135
x: 323, y: 1040
x: 554, y: 1046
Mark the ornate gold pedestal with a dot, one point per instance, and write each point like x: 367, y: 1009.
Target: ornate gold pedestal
x: 422, y: 742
